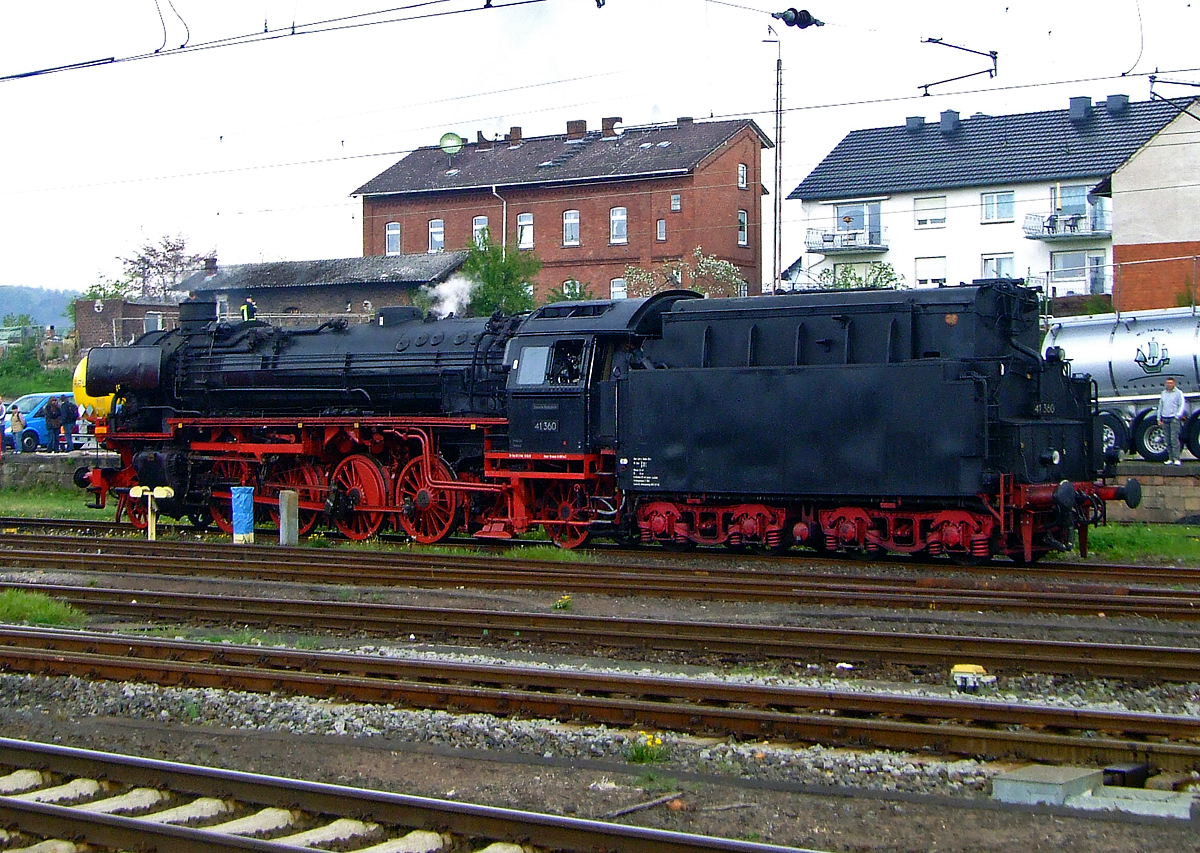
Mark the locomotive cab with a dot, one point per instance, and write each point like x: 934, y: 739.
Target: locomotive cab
x: 547, y: 394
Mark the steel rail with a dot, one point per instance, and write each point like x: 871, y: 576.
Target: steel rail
x: 307, y: 566
x: 718, y: 558
x: 462, y: 820
x: 745, y: 642
x: 955, y: 726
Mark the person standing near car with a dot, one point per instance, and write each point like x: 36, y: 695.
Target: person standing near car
x: 17, y: 425
x: 52, y: 412
x: 1172, y: 409
x: 70, y: 414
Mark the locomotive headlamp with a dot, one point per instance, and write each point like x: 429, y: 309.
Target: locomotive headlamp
x: 1051, y: 457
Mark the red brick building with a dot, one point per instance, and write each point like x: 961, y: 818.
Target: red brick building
x: 588, y: 203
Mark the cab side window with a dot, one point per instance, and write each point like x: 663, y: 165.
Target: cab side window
x: 567, y: 366
x: 531, y: 367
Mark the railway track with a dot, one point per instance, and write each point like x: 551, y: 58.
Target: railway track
x: 738, y: 641
x: 101, y: 800
x: 905, y: 721
x: 792, y: 562
x: 307, y: 565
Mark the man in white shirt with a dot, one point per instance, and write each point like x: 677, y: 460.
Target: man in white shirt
x: 1172, y: 409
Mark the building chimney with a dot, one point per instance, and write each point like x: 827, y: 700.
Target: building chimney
x: 514, y: 136
x: 482, y: 143
x: 950, y: 122
x: 576, y: 129
x: 914, y: 123
x: 210, y: 266
x: 1116, y: 104
x: 685, y: 121
x: 1080, y: 111
x: 610, y: 126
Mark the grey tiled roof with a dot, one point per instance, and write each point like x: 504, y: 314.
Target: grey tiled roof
x: 984, y: 151
x: 635, y: 152
x: 374, y: 269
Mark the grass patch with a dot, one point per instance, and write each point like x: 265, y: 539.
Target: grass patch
x: 56, y: 502
x: 35, y: 608
x: 1145, y: 543
x: 548, y: 554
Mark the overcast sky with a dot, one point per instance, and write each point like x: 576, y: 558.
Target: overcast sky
x: 252, y: 149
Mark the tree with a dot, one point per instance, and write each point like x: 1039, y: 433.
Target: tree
x: 706, y: 274
x: 159, y: 268
x: 571, y: 290
x: 880, y: 275
x: 104, y: 288
x: 503, y: 277
x: 14, y: 320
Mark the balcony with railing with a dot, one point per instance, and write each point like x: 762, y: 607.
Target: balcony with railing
x: 1068, y: 226
x: 846, y: 242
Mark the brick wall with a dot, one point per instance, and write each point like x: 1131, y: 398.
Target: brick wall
x: 24, y: 471
x: 1168, y: 494
x: 117, y: 322
x: 1160, y: 284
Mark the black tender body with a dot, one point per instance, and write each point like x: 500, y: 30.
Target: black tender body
x: 923, y: 393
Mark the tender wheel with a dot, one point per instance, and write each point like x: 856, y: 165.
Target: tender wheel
x: 565, y: 514
x: 361, y: 483
x: 428, y: 514
x: 1113, y: 431
x: 225, y: 474
x: 307, y: 480
x: 1150, y: 440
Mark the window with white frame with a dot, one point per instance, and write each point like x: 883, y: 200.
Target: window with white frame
x: 153, y: 321
x: 437, y: 235
x: 676, y: 202
x: 391, y: 238
x: 660, y: 230
x: 930, y: 272
x: 861, y: 216
x: 618, y: 225
x: 525, y: 231
x: 997, y: 266
x: 743, y: 228
x: 617, y: 289
x: 479, y: 230
x: 996, y: 207
x: 743, y: 176
x: 1069, y: 200
x: 1082, y: 271
x: 930, y: 212
x: 570, y: 227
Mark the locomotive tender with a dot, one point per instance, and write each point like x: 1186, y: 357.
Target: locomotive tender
x: 906, y: 421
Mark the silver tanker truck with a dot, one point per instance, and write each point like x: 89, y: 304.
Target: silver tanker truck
x: 1130, y: 356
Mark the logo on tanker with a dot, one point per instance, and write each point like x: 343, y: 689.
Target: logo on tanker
x: 1153, y: 358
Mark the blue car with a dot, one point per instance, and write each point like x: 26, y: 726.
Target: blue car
x: 32, y: 408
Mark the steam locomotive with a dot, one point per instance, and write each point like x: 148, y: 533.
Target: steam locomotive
x: 868, y: 421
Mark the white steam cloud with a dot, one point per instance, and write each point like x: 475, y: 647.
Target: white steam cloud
x: 451, y: 296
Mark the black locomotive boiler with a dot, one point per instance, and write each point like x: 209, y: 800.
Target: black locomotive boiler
x: 900, y: 420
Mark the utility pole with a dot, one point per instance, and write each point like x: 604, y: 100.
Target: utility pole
x: 776, y: 242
